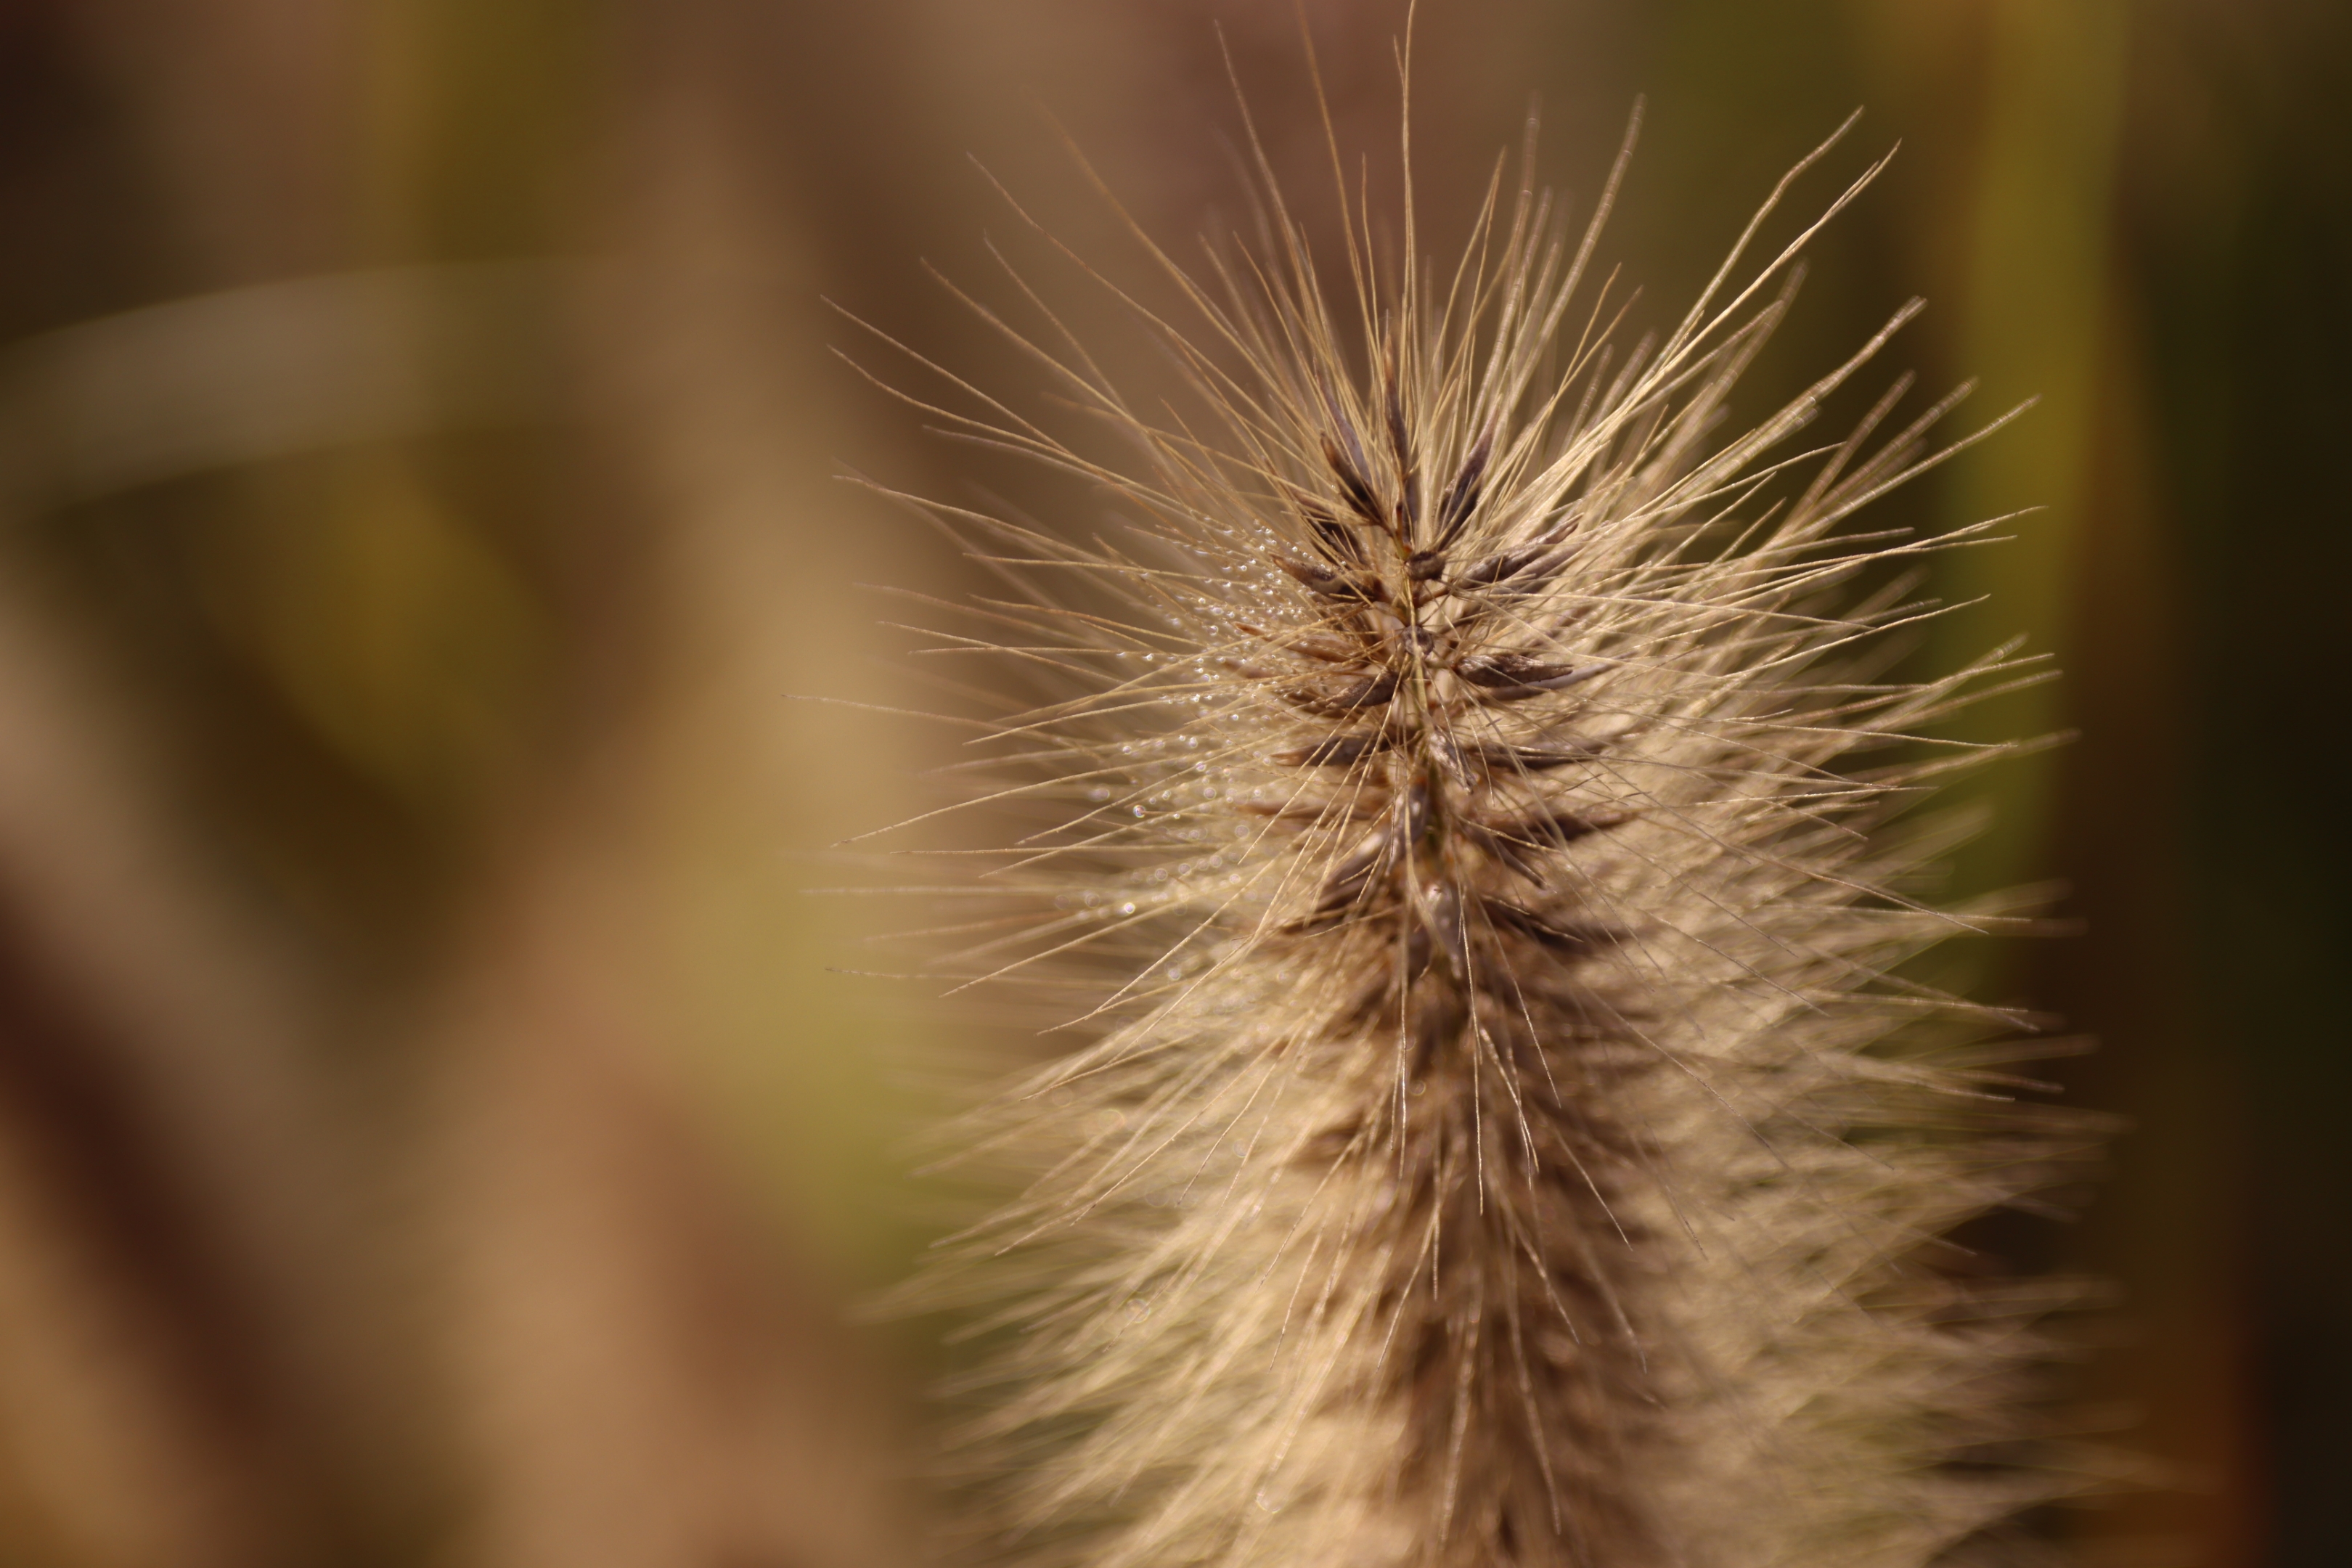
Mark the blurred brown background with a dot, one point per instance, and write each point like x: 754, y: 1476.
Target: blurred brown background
x: 429, y: 1130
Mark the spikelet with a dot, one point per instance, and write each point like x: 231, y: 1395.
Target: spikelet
x: 1497, y: 1133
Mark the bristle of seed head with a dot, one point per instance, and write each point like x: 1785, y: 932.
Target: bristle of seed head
x: 1501, y: 1134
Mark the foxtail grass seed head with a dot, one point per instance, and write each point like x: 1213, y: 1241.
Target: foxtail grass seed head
x: 1460, y: 768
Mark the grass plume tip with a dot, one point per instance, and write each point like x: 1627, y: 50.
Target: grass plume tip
x: 1461, y: 798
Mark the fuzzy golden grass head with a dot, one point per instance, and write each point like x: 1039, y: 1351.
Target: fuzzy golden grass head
x: 1498, y: 1134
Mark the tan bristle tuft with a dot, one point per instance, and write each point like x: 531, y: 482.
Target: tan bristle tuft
x: 1502, y: 1136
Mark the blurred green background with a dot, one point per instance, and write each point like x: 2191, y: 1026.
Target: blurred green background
x: 431, y: 1130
